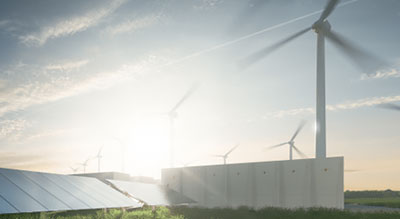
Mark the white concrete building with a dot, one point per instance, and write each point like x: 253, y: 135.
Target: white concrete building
x: 286, y: 184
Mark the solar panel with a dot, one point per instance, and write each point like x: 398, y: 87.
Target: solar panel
x: 6, y: 207
x: 44, y: 198
x: 25, y: 191
x: 73, y: 201
x: 21, y: 201
x: 151, y: 194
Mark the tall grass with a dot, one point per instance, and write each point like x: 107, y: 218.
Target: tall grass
x: 277, y: 213
x: 203, y: 213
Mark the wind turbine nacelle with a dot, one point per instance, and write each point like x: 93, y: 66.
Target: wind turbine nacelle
x: 321, y: 26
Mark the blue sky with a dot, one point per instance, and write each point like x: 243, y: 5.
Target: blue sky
x: 78, y: 75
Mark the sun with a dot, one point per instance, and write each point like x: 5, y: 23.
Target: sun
x: 147, y: 151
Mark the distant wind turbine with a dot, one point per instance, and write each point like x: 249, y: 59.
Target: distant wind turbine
x: 74, y: 170
x: 322, y: 28
x: 98, y: 157
x: 84, y: 165
x: 225, y: 156
x: 173, y: 114
x: 291, y: 143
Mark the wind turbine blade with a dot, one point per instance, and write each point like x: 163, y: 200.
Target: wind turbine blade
x: 390, y: 106
x: 367, y: 62
x: 257, y: 56
x: 328, y: 9
x: 303, y: 155
x: 185, y: 97
x: 278, y: 145
x: 301, y: 125
x: 230, y: 151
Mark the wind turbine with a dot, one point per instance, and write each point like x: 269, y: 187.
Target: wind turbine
x: 74, y: 170
x: 225, y: 156
x: 84, y: 165
x: 291, y: 143
x: 172, y: 115
x: 98, y: 157
x: 322, y: 27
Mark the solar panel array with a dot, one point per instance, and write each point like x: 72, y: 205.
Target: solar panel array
x: 152, y: 194
x: 25, y: 191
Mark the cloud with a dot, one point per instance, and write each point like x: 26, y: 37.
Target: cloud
x: 55, y: 84
x: 392, y: 73
x: 67, y: 65
x: 4, y: 23
x: 135, y: 24
x: 355, y: 104
x: 71, y: 25
x: 207, y: 4
x: 12, y: 128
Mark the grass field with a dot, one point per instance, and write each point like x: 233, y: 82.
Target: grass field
x: 201, y: 213
x: 391, y: 202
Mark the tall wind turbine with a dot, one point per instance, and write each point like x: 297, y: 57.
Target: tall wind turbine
x: 322, y: 28
x: 291, y: 143
x: 173, y: 114
x: 225, y: 156
x: 98, y: 157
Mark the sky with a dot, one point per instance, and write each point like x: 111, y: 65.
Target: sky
x: 77, y: 76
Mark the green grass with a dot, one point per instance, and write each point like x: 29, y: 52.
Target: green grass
x: 391, y: 202
x: 144, y: 213
x: 276, y: 213
x: 202, y: 213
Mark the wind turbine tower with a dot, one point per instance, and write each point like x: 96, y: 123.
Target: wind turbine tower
x: 84, y: 165
x: 98, y: 157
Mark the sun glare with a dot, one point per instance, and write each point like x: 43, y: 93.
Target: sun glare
x: 146, y: 152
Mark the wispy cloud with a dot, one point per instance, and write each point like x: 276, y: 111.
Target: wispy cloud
x: 134, y: 24
x: 52, y: 86
x: 12, y: 128
x: 392, y: 73
x: 71, y: 25
x: 355, y: 104
x: 67, y: 65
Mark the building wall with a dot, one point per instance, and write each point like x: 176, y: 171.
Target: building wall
x: 286, y: 184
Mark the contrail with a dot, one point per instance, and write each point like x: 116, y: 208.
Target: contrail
x: 252, y: 35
